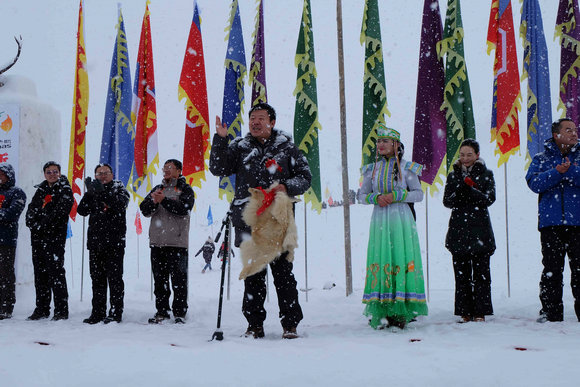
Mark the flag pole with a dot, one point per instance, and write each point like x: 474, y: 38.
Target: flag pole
x: 306, y: 250
x: 507, y: 233
x: 427, y: 239
x: 83, y: 239
x: 83, y: 259
x: 137, y: 256
x: 72, y: 273
x: 343, y: 146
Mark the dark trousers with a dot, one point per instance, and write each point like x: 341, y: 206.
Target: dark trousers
x: 169, y: 262
x: 255, y: 295
x: 472, y: 285
x: 557, y: 241
x: 49, y: 277
x: 106, y: 266
x: 7, y: 279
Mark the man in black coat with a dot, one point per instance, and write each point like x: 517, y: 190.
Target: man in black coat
x: 12, y: 202
x: 47, y: 218
x: 208, y: 249
x: 264, y: 156
x: 105, y: 201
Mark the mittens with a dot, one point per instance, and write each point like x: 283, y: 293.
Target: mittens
x: 89, y: 185
x: 469, y: 182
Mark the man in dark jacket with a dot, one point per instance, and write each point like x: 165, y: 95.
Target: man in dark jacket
x: 264, y: 156
x: 208, y: 248
x: 169, y: 205
x: 555, y: 175
x: 12, y: 202
x: 47, y: 218
x: 105, y: 201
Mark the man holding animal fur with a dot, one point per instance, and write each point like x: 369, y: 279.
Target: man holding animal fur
x: 267, y: 163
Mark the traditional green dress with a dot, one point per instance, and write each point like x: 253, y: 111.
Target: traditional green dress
x: 394, y: 285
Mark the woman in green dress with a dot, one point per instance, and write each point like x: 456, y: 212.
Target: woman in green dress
x: 394, y: 288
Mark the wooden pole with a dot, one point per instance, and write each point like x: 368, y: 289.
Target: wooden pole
x: 343, y: 145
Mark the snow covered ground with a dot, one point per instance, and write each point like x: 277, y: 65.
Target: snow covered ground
x: 337, y: 347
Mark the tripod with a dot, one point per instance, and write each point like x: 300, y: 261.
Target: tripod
x: 227, y: 223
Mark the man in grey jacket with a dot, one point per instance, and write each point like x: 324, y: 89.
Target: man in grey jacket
x: 169, y: 205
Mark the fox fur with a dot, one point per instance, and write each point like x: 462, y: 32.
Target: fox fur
x: 273, y: 232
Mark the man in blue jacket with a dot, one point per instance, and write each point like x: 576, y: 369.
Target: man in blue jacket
x: 12, y: 202
x: 555, y: 175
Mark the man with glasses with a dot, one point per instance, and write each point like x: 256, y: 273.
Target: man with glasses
x: 169, y: 205
x: 105, y: 201
x: 47, y: 218
x: 555, y: 175
x: 12, y: 202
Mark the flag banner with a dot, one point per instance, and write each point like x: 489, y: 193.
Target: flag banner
x: 76, y: 158
x: 209, y: 217
x: 69, y: 233
x: 233, y: 102
x: 457, y: 94
x: 144, y: 114
x: 257, y: 74
x: 536, y: 69
x: 374, y: 84
x: 138, y: 226
x: 430, y: 125
x: 306, y: 125
x: 193, y: 88
x: 10, y: 135
x: 568, y: 30
x: 118, y: 143
x: 505, y: 127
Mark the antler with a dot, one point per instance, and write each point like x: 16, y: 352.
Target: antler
x: 19, y: 43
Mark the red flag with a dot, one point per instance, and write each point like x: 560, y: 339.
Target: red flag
x: 506, y: 85
x: 138, y: 226
x: 192, y: 87
x: 76, y: 160
x: 144, y: 113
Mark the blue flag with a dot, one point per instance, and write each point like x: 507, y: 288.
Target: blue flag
x: 233, y: 101
x: 68, y: 230
x: 117, y: 145
x: 538, y: 73
x: 209, y: 217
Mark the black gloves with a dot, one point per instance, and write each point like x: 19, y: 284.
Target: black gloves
x: 93, y: 186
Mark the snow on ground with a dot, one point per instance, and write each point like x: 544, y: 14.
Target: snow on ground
x: 337, y: 347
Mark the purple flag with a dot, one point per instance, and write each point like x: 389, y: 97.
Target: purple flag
x: 568, y: 29
x: 258, y: 64
x: 430, y: 124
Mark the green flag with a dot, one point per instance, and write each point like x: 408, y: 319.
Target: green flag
x: 306, y: 123
x: 375, y: 91
x: 457, y: 95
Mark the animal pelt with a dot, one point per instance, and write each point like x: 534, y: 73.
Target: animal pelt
x: 273, y: 232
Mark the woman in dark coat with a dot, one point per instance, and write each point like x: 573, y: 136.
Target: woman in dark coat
x: 469, y: 190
